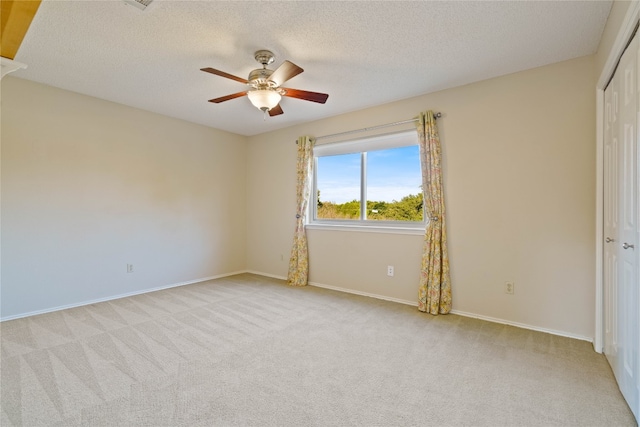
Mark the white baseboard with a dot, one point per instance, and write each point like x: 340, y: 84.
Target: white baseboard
x: 336, y: 288
x: 522, y: 325
x: 260, y: 273
x: 459, y: 313
x: 364, y: 294
x: 109, y: 298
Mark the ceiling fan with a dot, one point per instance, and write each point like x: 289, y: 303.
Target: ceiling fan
x: 265, y: 90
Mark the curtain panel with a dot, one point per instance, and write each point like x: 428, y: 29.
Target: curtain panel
x: 434, y: 295
x: 299, y: 261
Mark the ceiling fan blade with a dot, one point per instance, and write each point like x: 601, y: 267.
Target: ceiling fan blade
x: 284, y: 72
x: 228, y: 97
x: 276, y: 111
x: 318, y: 97
x: 223, y: 74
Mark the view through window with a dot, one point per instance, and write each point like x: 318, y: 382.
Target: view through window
x: 372, y: 180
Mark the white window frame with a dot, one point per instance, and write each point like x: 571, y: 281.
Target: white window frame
x: 362, y: 146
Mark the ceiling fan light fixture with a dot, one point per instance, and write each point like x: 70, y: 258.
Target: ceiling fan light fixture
x: 264, y: 99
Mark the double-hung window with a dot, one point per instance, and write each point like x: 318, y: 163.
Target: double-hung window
x: 372, y: 182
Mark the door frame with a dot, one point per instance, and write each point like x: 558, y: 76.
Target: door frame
x: 622, y: 38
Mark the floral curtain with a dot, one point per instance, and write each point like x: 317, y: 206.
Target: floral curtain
x: 434, y: 295
x: 299, y: 261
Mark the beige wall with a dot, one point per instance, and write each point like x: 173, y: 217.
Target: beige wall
x: 519, y: 155
x: 89, y: 186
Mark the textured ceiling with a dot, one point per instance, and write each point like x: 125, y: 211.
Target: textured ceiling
x: 361, y: 53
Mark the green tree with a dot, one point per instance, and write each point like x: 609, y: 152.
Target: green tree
x: 409, y: 208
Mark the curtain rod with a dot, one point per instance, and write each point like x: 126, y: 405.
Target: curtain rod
x: 435, y: 116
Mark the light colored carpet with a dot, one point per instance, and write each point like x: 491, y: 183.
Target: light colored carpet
x: 249, y: 350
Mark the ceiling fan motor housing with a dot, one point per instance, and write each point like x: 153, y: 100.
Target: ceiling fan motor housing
x: 259, y: 78
x: 259, y: 75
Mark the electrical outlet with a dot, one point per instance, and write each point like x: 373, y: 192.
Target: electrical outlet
x: 508, y: 288
x: 129, y: 268
x: 390, y: 270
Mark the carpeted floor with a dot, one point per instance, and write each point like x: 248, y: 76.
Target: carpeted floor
x: 249, y: 350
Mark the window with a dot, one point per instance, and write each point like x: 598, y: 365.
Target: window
x: 370, y: 182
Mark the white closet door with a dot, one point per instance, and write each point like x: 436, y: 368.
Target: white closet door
x: 622, y: 227
x: 629, y: 231
x: 610, y: 264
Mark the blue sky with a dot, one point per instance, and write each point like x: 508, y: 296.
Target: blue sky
x: 391, y: 175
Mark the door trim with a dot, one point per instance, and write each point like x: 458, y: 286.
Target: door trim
x: 622, y: 38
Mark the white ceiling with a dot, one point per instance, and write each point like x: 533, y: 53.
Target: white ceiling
x: 362, y: 53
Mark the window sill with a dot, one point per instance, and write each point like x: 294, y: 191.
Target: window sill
x: 411, y: 230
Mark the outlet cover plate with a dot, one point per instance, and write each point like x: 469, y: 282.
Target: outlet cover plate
x: 508, y: 288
